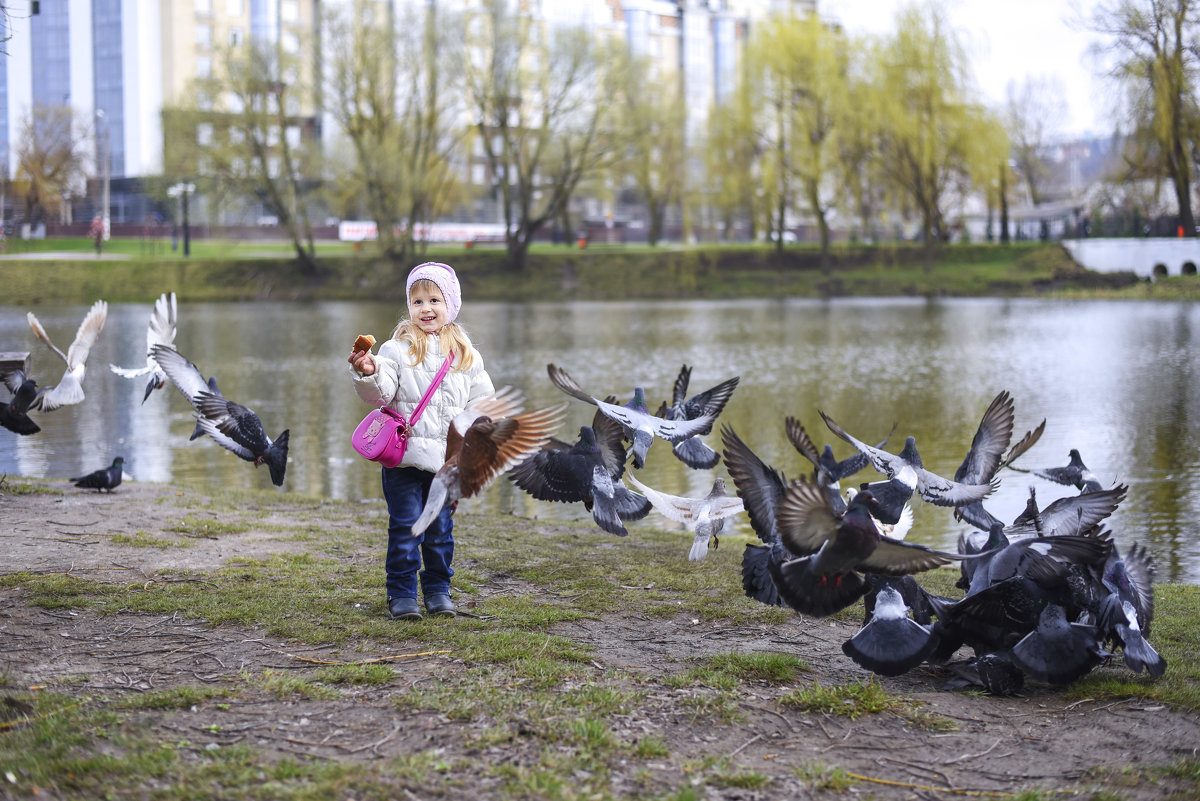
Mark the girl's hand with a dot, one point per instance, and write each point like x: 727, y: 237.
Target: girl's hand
x: 362, y: 361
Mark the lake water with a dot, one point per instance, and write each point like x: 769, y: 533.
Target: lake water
x: 1115, y: 380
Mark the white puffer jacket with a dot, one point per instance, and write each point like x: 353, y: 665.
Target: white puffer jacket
x: 400, y: 386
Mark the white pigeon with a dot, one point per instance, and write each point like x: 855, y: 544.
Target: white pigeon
x: 70, y: 389
x: 705, y: 516
x: 161, y: 331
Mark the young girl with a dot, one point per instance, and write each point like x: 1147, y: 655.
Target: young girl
x: 397, y: 377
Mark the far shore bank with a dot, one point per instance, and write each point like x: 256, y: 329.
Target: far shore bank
x: 599, y: 273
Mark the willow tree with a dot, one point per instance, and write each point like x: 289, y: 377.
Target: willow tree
x: 1152, y: 44
x: 1034, y: 111
x: 388, y: 88
x: 650, y: 127
x: 800, y: 67
x: 537, y: 99
x: 50, y: 159
x: 731, y: 155
x: 927, y: 119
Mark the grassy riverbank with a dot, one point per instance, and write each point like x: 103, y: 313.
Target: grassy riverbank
x: 161, y: 643
x: 257, y: 271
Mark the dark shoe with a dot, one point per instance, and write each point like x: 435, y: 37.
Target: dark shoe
x: 404, y: 608
x: 439, y: 604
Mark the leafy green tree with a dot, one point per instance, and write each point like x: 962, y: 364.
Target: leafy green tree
x: 731, y: 154
x: 651, y: 130
x: 537, y: 97
x: 928, y: 123
x: 1155, y: 58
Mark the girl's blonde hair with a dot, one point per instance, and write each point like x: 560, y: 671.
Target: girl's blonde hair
x: 452, y: 337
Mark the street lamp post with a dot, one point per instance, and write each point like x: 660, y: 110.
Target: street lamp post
x: 182, y: 190
x: 105, y: 175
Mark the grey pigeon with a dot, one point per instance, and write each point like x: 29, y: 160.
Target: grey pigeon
x: 693, y: 451
x: 14, y: 413
x: 760, y: 487
x: 69, y: 390
x: 891, y: 643
x: 639, y: 425
x: 588, y: 472
x: 705, y: 516
x: 233, y: 426
x: 160, y: 331
x: 105, y: 479
x: 907, y: 468
x: 1058, y: 651
x: 1074, y: 473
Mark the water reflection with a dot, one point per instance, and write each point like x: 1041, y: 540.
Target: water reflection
x: 1112, y: 379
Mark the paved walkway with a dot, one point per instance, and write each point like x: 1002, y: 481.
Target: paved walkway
x: 64, y: 255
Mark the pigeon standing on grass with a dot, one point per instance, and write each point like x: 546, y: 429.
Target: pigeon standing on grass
x: 704, y: 516
x: 486, y: 439
x: 69, y: 390
x: 106, y: 479
x: 233, y: 426
x: 161, y: 331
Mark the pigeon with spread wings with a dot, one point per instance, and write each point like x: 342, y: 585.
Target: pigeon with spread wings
x: 486, y: 439
x: 705, y: 516
x: 693, y: 451
x: 160, y: 331
x: 14, y: 413
x: 639, y: 426
x: 69, y: 390
x: 232, y: 425
x: 588, y: 472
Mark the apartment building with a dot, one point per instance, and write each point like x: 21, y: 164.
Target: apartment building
x: 118, y: 63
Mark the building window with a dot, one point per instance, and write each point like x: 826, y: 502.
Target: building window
x: 293, y: 136
x: 204, y: 36
x: 235, y: 37
x: 291, y: 42
x: 203, y: 7
x: 289, y: 11
x: 234, y: 8
x: 203, y: 67
x: 478, y: 174
x: 236, y: 136
x: 204, y: 133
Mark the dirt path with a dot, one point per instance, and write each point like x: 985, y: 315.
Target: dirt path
x: 981, y: 745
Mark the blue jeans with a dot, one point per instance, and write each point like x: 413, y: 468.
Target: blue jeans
x: 405, y: 489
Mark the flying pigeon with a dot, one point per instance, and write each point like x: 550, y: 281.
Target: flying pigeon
x: 986, y: 456
x: 827, y: 470
x: 907, y: 468
x: 705, y: 516
x: 588, y: 472
x: 161, y: 331
x: 70, y: 389
x: 14, y: 412
x: 692, y: 451
x: 486, y: 439
x: 106, y: 479
x: 1074, y: 473
x: 232, y: 425
x: 639, y: 425
x: 835, y: 548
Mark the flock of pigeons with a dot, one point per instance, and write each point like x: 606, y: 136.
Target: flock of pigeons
x: 228, y: 423
x: 1047, y: 597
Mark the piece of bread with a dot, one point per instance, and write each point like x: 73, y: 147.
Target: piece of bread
x: 364, y: 342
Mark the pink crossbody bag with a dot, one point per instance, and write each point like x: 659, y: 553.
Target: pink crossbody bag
x: 382, y: 436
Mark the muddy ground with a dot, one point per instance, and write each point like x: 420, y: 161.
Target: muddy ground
x: 1041, y: 740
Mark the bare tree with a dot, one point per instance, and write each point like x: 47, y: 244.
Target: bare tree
x: 50, y: 159
x: 537, y: 101
x: 1152, y: 44
x: 1034, y: 114
x: 390, y: 91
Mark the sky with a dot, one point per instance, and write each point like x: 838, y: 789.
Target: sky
x: 1008, y: 41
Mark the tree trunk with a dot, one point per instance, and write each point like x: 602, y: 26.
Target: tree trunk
x: 1004, y: 204
x: 657, y: 212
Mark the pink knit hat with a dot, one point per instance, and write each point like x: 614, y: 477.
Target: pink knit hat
x: 444, y: 276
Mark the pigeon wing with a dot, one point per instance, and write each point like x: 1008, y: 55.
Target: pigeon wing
x: 186, y: 377
x: 673, y: 507
x: 759, y: 485
x: 85, y: 337
x: 561, y: 379
x: 41, y: 334
x: 806, y: 521
x: 991, y: 439
x: 492, y: 447
x: 209, y: 427
x: 236, y: 421
x: 896, y: 557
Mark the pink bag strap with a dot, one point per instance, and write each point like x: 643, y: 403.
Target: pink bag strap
x: 437, y: 379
